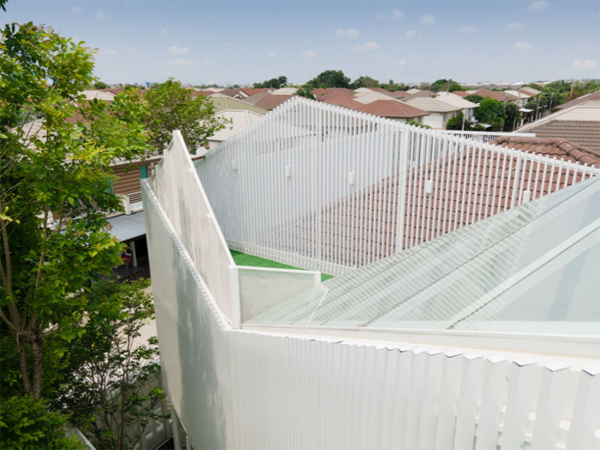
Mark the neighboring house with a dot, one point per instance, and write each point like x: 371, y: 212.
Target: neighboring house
x: 249, y: 92
x: 529, y: 91
x: 372, y: 96
x: 100, y: 94
x: 419, y: 94
x: 269, y: 101
x: 461, y: 94
x: 223, y: 102
x: 393, y: 109
x: 578, y: 100
x: 466, y: 106
x: 239, y: 119
x: 522, y: 98
x: 325, y: 94
x: 413, y: 91
x: 285, y: 91
x: 553, y: 148
x: 345, y: 101
x: 253, y: 100
x: 501, y: 96
x: 214, y: 89
x: 228, y: 92
x: 439, y: 112
x: 399, y: 94
x: 580, y: 124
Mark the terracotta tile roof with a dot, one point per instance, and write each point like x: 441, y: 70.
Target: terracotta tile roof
x: 254, y: 99
x: 552, y: 147
x: 462, y: 94
x: 583, y: 133
x: 393, y: 109
x: 253, y: 91
x: 270, y: 102
x: 326, y: 94
x: 582, y: 99
x: 500, y: 96
x: 229, y: 92
x: 346, y: 102
x: 419, y: 95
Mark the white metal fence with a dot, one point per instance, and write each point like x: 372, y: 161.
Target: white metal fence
x: 244, y: 389
x: 323, y: 187
x: 486, y: 136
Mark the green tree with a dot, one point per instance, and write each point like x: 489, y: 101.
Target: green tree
x: 100, y: 85
x: 364, y: 81
x: 458, y: 123
x: 51, y: 166
x: 443, y: 85
x: 171, y: 107
x: 28, y: 424
x: 512, y: 117
x: 327, y: 79
x: 491, y: 111
x: 474, y: 98
x: 275, y: 83
x: 114, y: 376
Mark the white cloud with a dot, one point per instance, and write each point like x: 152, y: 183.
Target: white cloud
x: 347, y: 33
x: 402, y: 62
x: 308, y: 54
x: 164, y: 31
x: 367, y: 46
x: 100, y: 15
x: 427, y: 19
x: 395, y: 14
x: 176, y: 50
x: 467, y: 29
x: 523, y: 46
x: 271, y: 53
x: 410, y: 34
x: 538, y: 6
x: 584, y: 64
x: 76, y: 9
x: 515, y: 26
x: 108, y: 52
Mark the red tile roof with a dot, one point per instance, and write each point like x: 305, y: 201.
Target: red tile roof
x: 270, y: 102
x: 326, y: 94
x: 399, y: 94
x: 253, y: 91
x: 346, y: 102
x: 552, y: 147
x: 228, y: 92
x: 500, y: 96
x: 393, y: 109
x: 462, y: 94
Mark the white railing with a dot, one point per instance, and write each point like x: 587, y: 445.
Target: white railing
x: 323, y: 187
x: 278, y: 390
x: 178, y: 189
x: 486, y: 136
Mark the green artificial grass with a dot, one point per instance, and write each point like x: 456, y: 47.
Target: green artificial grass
x: 242, y: 259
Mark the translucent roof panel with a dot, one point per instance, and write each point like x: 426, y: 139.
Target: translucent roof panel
x: 530, y: 269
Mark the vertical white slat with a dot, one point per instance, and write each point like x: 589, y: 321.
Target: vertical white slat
x: 449, y: 391
x: 549, y: 409
x: 520, y: 392
x: 586, y: 411
x: 492, y: 398
x: 430, y: 399
x: 470, y: 392
x: 417, y: 386
x: 401, y: 208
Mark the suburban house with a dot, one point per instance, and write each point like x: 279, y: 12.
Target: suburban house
x: 267, y: 101
x: 466, y: 106
x: 395, y: 110
x: 580, y: 124
x: 501, y: 96
x: 249, y: 92
x: 439, y: 111
x: 522, y: 98
x: 224, y: 102
x: 238, y: 118
x: 285, y: 91
x: 461, y: 94
x: 529, y: 91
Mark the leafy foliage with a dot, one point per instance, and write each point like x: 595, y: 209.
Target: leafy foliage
x: 26, y: 423
x: 443, y: 85
x: 100, y: 85
x: 171, y: 107
x: 329, y: 78
x: 417, y: 124
x: 112, y: 371
x: 474, y: 98
x: 364, y: 81
x: 276, y: 83
x: 491, y: 111
x: 458, y: 123
x: 55, y: 166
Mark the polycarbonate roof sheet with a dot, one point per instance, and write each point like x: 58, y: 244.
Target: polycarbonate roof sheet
x: 128, y: 226
x: 531, y: 269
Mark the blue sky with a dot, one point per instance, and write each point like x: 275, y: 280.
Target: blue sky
x: 407, y: 41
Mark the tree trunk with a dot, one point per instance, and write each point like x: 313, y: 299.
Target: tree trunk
x: 38, y: 365
x: 24, y: 368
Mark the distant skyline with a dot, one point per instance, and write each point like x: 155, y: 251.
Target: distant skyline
x: 240, y: 42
